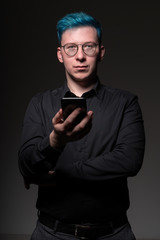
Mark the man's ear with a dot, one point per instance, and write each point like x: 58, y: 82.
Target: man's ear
x: 59, y: 55
x: 101, y: 53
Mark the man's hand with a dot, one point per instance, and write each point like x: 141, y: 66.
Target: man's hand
x: 67, y: 131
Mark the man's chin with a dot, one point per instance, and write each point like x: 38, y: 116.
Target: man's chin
x: 82, y: 77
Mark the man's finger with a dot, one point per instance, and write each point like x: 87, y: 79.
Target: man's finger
x: 84, y: 121
x: 57, y: 118
x: 51, y: 172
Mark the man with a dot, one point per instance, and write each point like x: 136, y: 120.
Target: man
x: 82, y: 168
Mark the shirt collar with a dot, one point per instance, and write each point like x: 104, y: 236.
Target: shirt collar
x: 94, y: 91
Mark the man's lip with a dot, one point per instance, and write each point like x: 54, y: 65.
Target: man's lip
x: 81, y: 67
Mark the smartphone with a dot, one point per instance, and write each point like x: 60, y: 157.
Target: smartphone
x: 69, y: 104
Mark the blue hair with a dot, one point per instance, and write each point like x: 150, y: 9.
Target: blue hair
x: 73, y: 20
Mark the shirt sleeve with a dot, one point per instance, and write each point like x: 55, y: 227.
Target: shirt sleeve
x: 36, y: 156
x: 126, y: 157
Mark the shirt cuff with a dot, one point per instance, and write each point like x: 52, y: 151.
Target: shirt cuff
x: 45, y: 148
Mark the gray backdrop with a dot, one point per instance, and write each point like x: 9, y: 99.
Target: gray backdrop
x: 131, y: 37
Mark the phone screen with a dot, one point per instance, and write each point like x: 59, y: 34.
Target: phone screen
x: 69, y: 104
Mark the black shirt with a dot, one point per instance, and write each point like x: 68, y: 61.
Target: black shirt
x: 90, y: 180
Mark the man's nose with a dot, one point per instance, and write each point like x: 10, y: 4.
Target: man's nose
x: 80, y: 54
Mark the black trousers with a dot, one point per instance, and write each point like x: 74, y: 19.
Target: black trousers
x: 42, y: 232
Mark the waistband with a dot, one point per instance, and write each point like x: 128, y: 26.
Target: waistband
x: 83, y: 231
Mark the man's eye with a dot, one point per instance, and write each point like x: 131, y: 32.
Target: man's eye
x: 89, y: 46
x: 71, y: 47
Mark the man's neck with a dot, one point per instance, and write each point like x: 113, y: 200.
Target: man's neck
x: 78, y: 88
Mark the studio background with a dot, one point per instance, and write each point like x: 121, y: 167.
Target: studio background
x: 131, y: 35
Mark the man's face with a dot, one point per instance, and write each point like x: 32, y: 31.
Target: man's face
x: 80, y: 67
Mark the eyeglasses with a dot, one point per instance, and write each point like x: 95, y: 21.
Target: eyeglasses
x: 88, y: 48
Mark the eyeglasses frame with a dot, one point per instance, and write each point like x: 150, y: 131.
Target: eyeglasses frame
x: 77, y: 45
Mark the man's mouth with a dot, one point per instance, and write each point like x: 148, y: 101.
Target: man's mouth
x: 81, y: 67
